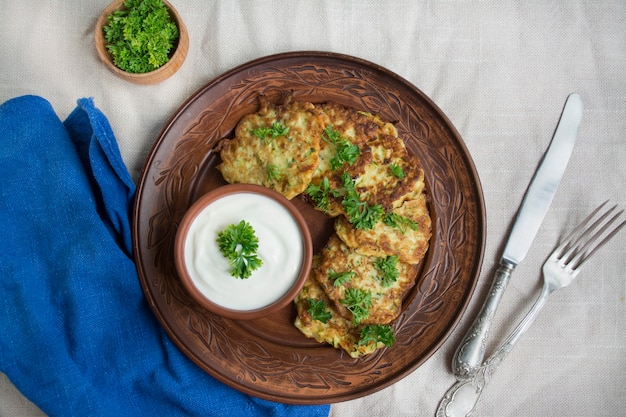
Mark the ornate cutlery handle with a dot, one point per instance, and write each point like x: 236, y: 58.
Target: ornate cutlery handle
x: 469, y: 355
x: 462, y: 397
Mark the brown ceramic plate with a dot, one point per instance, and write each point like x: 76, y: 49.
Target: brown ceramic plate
x: 270, y: 358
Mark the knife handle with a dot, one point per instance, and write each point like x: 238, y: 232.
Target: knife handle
x: 469, y: 355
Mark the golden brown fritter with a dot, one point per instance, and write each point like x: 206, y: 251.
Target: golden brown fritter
x: 277, y: 147
x: 329, y: 327
x: 383, y: 171
x: 387, y: 174
x: 345, y: 126
x: 360, y: 286
x: 405, y: 232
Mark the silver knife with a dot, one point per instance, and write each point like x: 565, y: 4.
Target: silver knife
x: 469, y: 355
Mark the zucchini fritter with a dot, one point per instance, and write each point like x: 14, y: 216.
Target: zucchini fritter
x: 359, y: 285
x: 277, y: 147
x: 406, y: 236
x: 346, y: 127
x: 335, y: 329
x: 386, y: 173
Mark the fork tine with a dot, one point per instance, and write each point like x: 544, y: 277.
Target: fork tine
x: 576, y: 251
x: 589, y: 229
x: 583, y: 256
x: 571, y: 239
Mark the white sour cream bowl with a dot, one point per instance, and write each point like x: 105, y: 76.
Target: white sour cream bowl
x: 284, y: 248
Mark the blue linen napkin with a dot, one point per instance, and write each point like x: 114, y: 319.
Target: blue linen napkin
x: 76, y: 335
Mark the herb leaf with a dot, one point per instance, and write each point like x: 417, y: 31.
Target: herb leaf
x: 397, y: 171
x: 377, y: 333
x: 345, y: 151
x: 268, y: 133
x: 320, y: 194
x: 340, y: 278
x: 399, y: 222
x: 239, y: 244
x: 318, y: 310
x: 331, y: 135
x: 358, y: 302
x: 243, y: 265
x: 388, y: 267
x: 359, y: 213
x: 273, y: 172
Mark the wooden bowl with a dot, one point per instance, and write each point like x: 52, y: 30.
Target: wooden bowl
x: 165, y: 71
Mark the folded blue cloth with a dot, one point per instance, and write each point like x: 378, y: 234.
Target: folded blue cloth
x: 76, y: 335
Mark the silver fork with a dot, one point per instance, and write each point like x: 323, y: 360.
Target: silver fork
x: 559, y: 270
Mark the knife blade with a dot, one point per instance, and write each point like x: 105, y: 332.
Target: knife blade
x: 470, y: 352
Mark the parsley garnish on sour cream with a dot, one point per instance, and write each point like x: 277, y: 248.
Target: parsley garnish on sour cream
x: 238, y: 243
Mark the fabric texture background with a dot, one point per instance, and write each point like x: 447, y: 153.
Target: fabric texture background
x: 500, y: 70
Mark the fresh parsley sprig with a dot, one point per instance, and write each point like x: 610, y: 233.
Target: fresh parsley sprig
x: 397, y: 171
x: 345, y: 151
x: 358, y: 302
x: 140, y: 36
x: 340, y: 278
x: 238, y: 243
x: 399, y: 222
x: 377, y: 333
x: 318, y: 310
x: 269, y: 133
x: 320, y: 194
x: 360, y: 213
x: 388, y: 268
x: 331, y: 135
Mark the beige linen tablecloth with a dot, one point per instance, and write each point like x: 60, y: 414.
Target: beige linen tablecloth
x: 500, y: 70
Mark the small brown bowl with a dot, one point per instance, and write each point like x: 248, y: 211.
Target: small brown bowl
x: 165, y: 71
x: 285, y: 247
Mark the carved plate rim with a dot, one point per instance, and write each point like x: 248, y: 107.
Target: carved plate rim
x: 270, y: 367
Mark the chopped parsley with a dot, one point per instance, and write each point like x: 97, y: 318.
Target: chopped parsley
x: 397, y: 171
x: 345, y: 151
x: 318, y: 310
x: 331, y: 135
x: 360, y: 213
x: 388, y: 268
x: 268, y: 133
x: 399, y: 222
x: 340, y: 278
x: 377, y: 333
x: 320, y: 194
x: 358, y: 302
x: 239, y: 244
x: 140, y: 36
x: 273, y: 172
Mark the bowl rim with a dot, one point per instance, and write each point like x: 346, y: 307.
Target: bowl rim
x: 205, y: 201
x: 152, y: 77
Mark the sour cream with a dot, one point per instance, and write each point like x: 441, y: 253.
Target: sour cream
x: 281, y: 248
